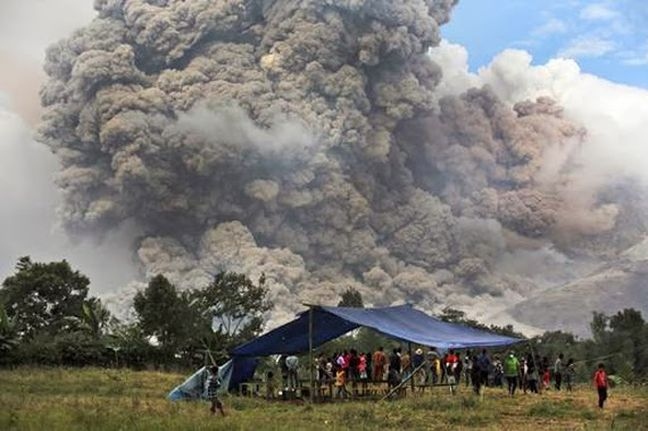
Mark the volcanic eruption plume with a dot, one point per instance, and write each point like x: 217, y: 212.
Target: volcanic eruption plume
x: 304, y: 139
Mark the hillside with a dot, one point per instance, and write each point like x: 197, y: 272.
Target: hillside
x: 612, y: 287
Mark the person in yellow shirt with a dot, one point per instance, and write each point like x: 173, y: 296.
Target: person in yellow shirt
x: 340, y: 383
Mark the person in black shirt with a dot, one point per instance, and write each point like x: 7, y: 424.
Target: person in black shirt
x: 393, y: 377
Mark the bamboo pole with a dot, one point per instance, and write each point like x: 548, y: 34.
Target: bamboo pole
x: 409, y: 348
x: 403, y: 382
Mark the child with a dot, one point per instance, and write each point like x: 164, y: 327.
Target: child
x: 451, y: 376
x: 570, y: 373
x: 340, y: 383
x: 600, y: 381
x: 270, y: 386
x: 362, y: 371
x: 213, y: 385
x: 546, y: 379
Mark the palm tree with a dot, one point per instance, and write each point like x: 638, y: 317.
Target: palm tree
x: 95, y: 318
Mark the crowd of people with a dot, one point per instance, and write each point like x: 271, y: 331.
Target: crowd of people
x: 532, y: 373
x: 350, y: 371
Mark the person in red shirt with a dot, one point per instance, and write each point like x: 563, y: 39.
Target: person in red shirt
x: 601, y: 383
x: 451, y: 361
x: 451, y: 358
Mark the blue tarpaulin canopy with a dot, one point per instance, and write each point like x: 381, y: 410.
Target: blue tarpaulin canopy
x: 402, y: 322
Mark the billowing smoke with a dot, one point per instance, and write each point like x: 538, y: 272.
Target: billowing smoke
x: 311, y: 141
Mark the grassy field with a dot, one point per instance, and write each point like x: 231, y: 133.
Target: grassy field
x: 96, y: 399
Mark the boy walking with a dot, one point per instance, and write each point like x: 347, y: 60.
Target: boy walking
x: 600, y: 381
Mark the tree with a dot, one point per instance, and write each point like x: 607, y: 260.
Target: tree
x: 599, y: 326
x: 40, y: 297
x: 94, y: 319
x: 162, y: 313
x: 449, y: 314
x: 631, y: 332
x: 230, y: 309
x: 453, y: 315
x: 351, y: 298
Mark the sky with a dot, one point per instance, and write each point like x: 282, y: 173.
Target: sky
x: 607, y: 38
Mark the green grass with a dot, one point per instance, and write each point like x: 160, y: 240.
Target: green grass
x: 98, y: 400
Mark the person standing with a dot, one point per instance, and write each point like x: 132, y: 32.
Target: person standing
x: 484, y: 367
x: 320, y: 366
x: 353, y: 371
x: 558, y: 370
x: 284, y: 370
x: 511, y: 372
x: 362, y: 366
x: 434, y: 362
x: 369, y: 366
x: 341, y: 361
x: 394, y: 376
x: 417, y: 360
x: 570, y: 373
x: 601, y: 383
x: 532, y: 374
x: 537, y: 361
x: 498, y: 371
x: 475, y: 376
x: 468, y: 364
x: 546, y: 374
x: 379, y: 360
x: 406, y: 363
x: 292, y: 363
x: 450, y: 366
x: 214, y: 383
x: 340, y: 382
x: 362, y: 372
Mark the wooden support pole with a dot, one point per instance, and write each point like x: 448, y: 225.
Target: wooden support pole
x: 403, y: 382
x: 409, y: 348
x: 310, y: 354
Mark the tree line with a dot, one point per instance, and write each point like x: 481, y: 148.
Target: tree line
x: 48, y: 318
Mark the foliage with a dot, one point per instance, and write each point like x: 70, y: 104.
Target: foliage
x: 46, y: 317
x: 362, y: 339
x: 230, y: 309
x: 41, y: 296
x: 351, y: 298
x: 95, y: 318
x: 621, y: 341
x: 8, y: 335
x: 183, y: 322
x: 453, y: 315
x: 161, y: 311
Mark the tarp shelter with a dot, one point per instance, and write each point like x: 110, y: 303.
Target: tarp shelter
x: 320, y: 324
x: 402, y: 322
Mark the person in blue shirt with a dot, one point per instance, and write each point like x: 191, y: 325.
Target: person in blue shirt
x: 484, y: 367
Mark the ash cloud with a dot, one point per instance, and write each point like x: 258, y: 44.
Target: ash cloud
x: 314, y: 141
